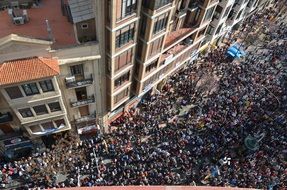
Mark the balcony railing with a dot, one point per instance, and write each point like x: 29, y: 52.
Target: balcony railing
x: 6, y: 117
x: 88, y: 100
x: 79, y: 83
x: 87, y: 118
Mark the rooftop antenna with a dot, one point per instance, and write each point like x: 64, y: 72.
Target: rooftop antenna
x: 50, y: 35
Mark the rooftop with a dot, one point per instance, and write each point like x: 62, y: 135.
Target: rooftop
x: 81, y: 10
x: 27, y: 69
x: 36, y: 27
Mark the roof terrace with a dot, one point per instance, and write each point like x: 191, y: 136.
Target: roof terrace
x: 34, y: 24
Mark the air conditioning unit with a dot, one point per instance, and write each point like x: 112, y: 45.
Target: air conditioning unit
x: 18, y: 20
x: 70, y: 79
x: 188, y: 41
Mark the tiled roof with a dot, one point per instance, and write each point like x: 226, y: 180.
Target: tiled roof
x: 21, y: 70
x: 81, y: 10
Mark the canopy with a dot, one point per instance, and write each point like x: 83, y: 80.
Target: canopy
x: 235, y: 51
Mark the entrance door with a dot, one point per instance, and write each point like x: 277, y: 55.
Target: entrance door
x: 84, y: 110
x: 81, y: 93
x: 6, y: 128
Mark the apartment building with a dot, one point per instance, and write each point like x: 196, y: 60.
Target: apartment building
x: 50, y: 73
x: 98, y: 58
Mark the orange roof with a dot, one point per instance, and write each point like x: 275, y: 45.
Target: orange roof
x: 62, y: 30
x: 21, y: 70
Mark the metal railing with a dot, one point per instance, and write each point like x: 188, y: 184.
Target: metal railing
x: 80, y: 83
x: 88, y: 100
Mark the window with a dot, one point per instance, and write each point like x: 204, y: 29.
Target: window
x: 47, y: 85
x: 35, y: 128
x: 48, y: 125
x: 77, y: 69
x: 125, y: 35
x: 227, y: 11
x: 55, y: 106
x: 151, y: 66
x: 125, y: 8
x: 195, y: 19
x: 218, y: 29
x: 121, y: 95
x: 155, y: 46
x: 210, y: 30
x: 26, y: 112
x: 122, y: 79
x: 123, y: 59
x: 30, y: 89
x: 239, y: 14
x: 14, y: 92
x: 217, y: 12
x: 59, y: 122
x: 40, y: 110
x: 201, y: 32
x: 208, y: 14
x: 160, y: 23
x: 84, y: 26
x: 155, y: 4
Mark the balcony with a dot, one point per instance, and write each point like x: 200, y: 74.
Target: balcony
x: 88, y: 100
x: 87, y: 118
x: 6, y: 117
x: 71, y: 82
x: 178, y: 35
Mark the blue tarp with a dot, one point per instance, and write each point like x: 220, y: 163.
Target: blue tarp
x: 235, y: 51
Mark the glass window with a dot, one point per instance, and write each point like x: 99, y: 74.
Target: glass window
x: 35, y: 128
x: 26, y: 112
x: 210, y: 30
x: 48, y: 125
x: 77, y: 69
x: 125, y: 35
x: 217, y: 12
x: 47, y: 85
x: 160, y: 23
x: 14, y: 92
x: 40, y: 110
x: 30, y: 89
x: 55, y: 106
x: 151, y: 66
x: 60, y: 122
x: 227, y: 11
x: 208, y: 14
x: 122, y: 79
x: 125, y: 8
x: 161, y: 3
x: 121, y: 95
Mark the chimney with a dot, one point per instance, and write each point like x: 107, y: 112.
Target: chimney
x: 25, y: 15
x: 49, y: 30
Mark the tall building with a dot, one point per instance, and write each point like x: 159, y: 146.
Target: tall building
x: 79, y: 64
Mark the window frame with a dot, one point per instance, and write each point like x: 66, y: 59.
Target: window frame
x: 32, y: 87
x: 35, y: 108
x: 125, y: 35
x: 26, y: 112
x: 53, y: 110
x: 48, y: 84
x: 79, y: 71
x: 118, y: 82
x: 10, y: 92
x: 160, y: 23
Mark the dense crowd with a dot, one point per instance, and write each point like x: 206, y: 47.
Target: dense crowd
x: 161, y: 142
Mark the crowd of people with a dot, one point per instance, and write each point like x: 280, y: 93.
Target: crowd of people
x: 157, y: 143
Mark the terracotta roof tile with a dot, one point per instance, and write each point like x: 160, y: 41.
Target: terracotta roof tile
x: 21, y: 70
